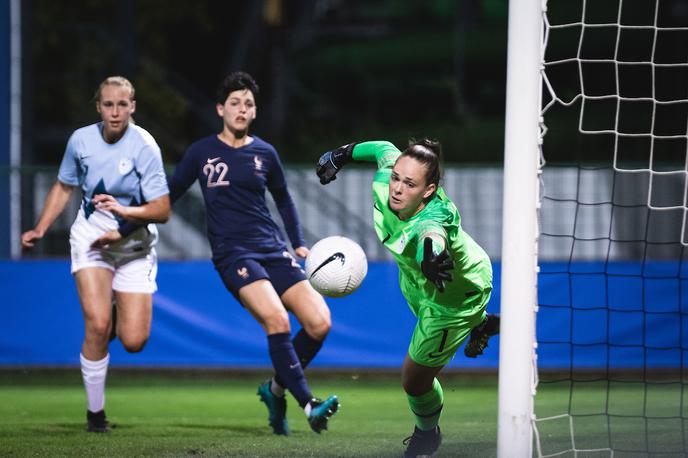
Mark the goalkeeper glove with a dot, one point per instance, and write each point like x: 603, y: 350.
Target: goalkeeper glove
x: 330, y: 162
x: 436, y: 267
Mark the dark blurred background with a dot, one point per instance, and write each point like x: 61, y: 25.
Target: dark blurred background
x: 330, y: 71
x: 335, y: 71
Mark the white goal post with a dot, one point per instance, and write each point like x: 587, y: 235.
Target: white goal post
x: 519, y: 230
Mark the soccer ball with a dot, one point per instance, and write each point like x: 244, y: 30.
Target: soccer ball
x: 336, y: 266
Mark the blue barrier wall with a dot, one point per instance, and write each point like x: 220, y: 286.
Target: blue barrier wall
x: 617, y: 315
x: 196, y: 322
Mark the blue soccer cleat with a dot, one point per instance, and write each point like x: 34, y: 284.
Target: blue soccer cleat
x: 321, y: 411
x: 277, y: 409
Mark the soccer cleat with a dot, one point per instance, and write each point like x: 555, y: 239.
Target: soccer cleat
x: 96, y: 422
x: 422, y: 443
x: 277, y: 409
x: 480, y: 335
x: 321, y: 411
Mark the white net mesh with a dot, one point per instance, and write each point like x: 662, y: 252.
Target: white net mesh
x: 613, y: 315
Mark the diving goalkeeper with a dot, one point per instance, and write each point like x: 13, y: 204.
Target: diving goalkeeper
x: 445, y: 276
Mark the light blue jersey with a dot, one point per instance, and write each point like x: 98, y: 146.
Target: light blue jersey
x: 130, y: 170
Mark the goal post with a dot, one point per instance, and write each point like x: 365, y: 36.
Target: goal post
x: 519, y: 229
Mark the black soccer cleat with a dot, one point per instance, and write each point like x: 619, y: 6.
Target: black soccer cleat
x: 96, y: 422
x: 480, y: 335
x: 422, y: 443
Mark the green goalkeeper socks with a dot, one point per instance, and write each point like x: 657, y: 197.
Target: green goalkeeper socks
x: 427, y: 407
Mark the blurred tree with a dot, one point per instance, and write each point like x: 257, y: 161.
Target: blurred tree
x: 330, y: 71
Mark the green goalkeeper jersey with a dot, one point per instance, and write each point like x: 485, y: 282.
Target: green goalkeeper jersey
x: 438, y: 219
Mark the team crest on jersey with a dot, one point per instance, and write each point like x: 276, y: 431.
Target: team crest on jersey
x: 258, y: 163
x: 402, y: 242
x: 243, y: 272
x: 125, y: 166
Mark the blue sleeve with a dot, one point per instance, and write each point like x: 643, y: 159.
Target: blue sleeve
x: 128, y: 227
x: 153, y: 179
x: 184, y: 176
x: 70, y: 172
x: 277, y: 185
x: 287, y: 211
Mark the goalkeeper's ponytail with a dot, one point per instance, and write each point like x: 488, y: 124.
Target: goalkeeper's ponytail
x: 429, y: 153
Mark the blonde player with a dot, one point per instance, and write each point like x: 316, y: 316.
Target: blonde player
x: 118, y: 167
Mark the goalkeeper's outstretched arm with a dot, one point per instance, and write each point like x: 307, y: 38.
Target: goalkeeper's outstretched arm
x: 382, y: 152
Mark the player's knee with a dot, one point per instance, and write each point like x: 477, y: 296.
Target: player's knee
x: 134, y: 344
x: 98, y: 330
x: 414, y: 386
x: 319, y: 329
x: 411, y: 387
x: 277, y: 322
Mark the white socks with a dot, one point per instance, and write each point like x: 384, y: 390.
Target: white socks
x: 276, y: 389
x: 94, y: 373
x: 279, y: 391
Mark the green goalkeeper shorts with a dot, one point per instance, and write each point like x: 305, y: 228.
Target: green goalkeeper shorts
x: 439, y: 333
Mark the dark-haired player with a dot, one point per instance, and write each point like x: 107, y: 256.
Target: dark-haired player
x: 234, y: 170
x: 445, y: 276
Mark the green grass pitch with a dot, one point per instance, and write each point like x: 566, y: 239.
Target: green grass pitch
x: 217, y: 413
x: 42, y: 413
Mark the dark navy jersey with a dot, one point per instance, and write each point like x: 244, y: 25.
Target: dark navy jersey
x: 234, y: 181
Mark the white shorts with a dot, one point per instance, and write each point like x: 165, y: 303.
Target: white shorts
x: 134, y: 262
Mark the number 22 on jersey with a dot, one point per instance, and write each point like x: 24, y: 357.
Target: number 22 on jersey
x: 216, y: 173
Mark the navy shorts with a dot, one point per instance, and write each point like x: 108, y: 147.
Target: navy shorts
x: 281, y: 269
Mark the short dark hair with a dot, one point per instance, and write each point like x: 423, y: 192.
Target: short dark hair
x: 429, y: 153
x: 236, y: 81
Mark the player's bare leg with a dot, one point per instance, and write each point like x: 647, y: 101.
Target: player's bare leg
x: 134, y: 316
x: 309, y: 308
x: 262, y: 301
x: 95, y: 294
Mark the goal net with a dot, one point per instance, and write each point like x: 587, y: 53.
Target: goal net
x: 612, y: 320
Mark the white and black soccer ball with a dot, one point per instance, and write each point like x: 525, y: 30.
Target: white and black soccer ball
x: 336, y: 266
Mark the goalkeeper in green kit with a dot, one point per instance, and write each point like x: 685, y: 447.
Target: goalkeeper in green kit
x: 445, y: 276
